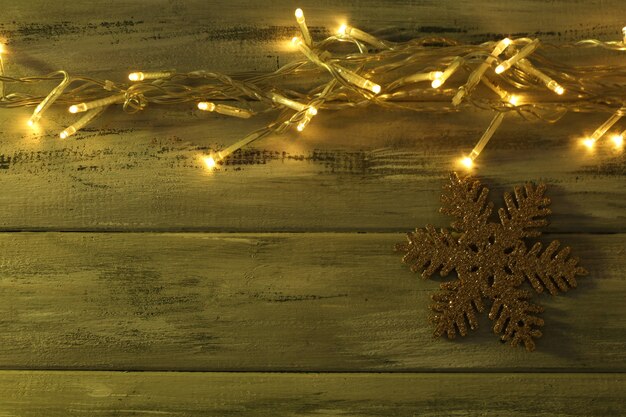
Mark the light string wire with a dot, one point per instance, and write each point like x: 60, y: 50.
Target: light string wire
x: 355, y: 69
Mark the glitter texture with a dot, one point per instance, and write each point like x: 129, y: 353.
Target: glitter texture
x: 491, y: 261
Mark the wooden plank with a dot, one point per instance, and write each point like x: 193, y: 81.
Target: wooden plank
x: 383, y: 174
x: 235, y: 35
x: 355, y: 170
x: 32, y: 394
x: 273, y: 302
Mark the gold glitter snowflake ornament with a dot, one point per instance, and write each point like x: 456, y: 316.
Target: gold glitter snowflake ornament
x: 491, y: 261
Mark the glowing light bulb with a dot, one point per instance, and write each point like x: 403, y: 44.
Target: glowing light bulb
x: 203, y: 105
x: 306, y: 119
x: 467, y: 162
x: 359, y: 81
x: 221, y: 155
x: 82, y: 122
x: 287, y: 102
x: 589, y: 143
x: 482, y: 142
x: 303, y: 27
x: 67, y: 132
x: 513, y: 99
x: 224, y: 109
x: 210, y: 163
x: 523, y: 53
x: 559, y: 90
x: 50, y: 98
x: 624, y: 33
x: 454, y: 65
x: 82, y: 107
x: 354, y: 33
x: 618, y: 140
x: 604, y: 127
x: 434, y: 75
x: 140, y: 76
x: 529, y: 68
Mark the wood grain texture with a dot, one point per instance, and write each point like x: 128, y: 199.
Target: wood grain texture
x: 243, y: 34
x: 350, y: 171
x: 100, y: 301
x: 383, y: 174
x: 33, y: 394
x: 273, y: 302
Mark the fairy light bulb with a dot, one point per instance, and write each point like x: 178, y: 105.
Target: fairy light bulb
x: 206, y: 106
x: 215, y: 157
x: 529, y: 68
x: 554, y: 86
x: 357, y: 80
x: 287, y: 102
x: 303, y: 27
x: 224, y: 109
x: 303, y: 124
x: 523, y: 53
x: 618, y: 140
x: 454, y: 65
x: 210, y: 163
x: 82, y: 122
x: 478, y: 73
x: 421, y: 76
x: 83, y: 107
x: 468, y: 161
x: 346, y: 31
x: 513, y: 99
x: 590, y: 141
x: 50, y: 98
x: 306, y: 119
x: 140, y: 76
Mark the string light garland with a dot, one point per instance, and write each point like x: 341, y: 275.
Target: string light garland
x: 522, y: 80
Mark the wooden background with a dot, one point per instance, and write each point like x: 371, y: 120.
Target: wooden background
x: 134, y: 282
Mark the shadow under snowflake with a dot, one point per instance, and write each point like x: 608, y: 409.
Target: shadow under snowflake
x: 491, y: 261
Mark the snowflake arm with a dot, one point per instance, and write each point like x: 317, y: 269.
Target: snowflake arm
x: 466, y: 200
x: 455, y: 306
x: 515, y: 317
x: 551, y: 270
x: 428, y: 250
x: 525, y: 214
